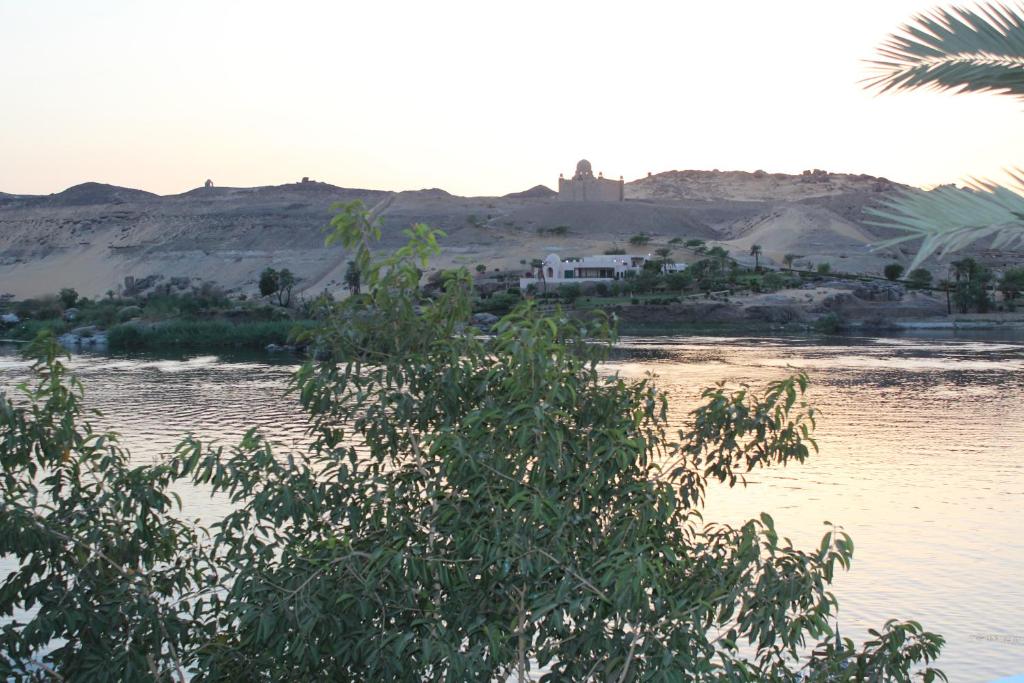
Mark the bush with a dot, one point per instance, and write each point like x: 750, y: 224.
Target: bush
x: 824, y: 268
x: 639, y: 239
x: 128, y: 312
x: 43, y: 308
x: 500, y: 302
x: 602, y: 289
x: 569, y: 293
x: 200, y: 335
x: 68, y: 297
x: 773, y: 281
x: 828, y: 324
x: 893, y: 271
x: 919, y: 278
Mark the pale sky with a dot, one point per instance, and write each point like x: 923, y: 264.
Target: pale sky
x: 473, y: 97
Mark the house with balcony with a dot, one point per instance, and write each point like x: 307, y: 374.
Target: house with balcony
x: 554, y: 270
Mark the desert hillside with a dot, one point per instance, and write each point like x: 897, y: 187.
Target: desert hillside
x: 92, y: 236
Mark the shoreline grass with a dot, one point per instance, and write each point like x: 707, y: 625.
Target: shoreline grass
x: 202, y: 335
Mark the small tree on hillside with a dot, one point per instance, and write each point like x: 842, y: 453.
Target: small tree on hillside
x: 639, y: 239
x: 285, y: 282
x: 893, y: 271
x: 270, y: 282
x: 920, y: 278
x: 481, y: 268
x: 789, y: 259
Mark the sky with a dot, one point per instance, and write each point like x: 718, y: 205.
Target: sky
x: 478, y: 98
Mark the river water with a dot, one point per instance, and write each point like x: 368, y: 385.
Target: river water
x: 921, y: 461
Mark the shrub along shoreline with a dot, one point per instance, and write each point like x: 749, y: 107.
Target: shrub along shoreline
x: 202, y: 335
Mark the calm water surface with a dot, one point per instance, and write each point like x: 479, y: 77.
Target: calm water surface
x: 922, y: 461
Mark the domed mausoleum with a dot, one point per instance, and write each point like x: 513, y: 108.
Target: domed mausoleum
x: 584, y: 187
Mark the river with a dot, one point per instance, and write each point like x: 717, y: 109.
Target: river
x: 922, y: 460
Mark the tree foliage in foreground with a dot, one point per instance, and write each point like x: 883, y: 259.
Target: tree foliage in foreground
x: 468, y: 509
x: 962, y: 50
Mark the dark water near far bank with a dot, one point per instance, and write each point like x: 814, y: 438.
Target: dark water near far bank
x: 922, y: 460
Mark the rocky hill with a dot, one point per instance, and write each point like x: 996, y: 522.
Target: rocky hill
x: 93, y: 236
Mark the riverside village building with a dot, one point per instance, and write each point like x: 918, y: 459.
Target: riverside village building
x: 554, y: 270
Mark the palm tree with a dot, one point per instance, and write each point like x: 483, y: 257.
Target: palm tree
x: 959, y: 50
x: 538, y: 267
x: 946, y: 284
x: 788, y: 260
x: 755, y: 251
x: 663, y: 254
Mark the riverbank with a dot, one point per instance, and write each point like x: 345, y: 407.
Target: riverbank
x: 166, y: 335
x: 192, y: 322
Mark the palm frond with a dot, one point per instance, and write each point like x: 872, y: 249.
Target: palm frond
x: 960, y: 49
x: 949, y: 219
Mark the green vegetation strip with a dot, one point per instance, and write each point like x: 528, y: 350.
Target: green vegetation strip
x: 202, y: 334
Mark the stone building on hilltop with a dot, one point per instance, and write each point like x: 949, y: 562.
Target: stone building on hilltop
x: 584, y: 187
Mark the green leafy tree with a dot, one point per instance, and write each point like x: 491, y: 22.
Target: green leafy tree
x: 971, y: 281
x: 468, y: 508
x: 707, y: 274
x: 678, y: 281
x: 720, y: 255
x: 639, y: 239
x: 270, y: 282
x: 68, y: 297
x: 892, y: 271
x: 824, y: 268
x: 1011, y: 284
x: 961, y: 50
x: 920, y: 278
x: 102, y: 567
x: 481, y: 268
x: 285, y: 283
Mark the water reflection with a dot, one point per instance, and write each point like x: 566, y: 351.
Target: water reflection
x: 922, y: 460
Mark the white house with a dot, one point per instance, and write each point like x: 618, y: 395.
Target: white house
x: 555, y: 270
